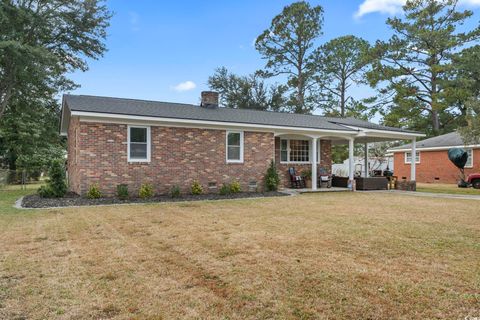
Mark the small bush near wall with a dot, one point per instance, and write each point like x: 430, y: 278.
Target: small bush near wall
x: 224, y: 190
x: 122, y: 191
x: 196, y: 188
x: 272, y: 180
x: 175, y: 192
x: 45, y: 192
x: 235, y: 187
x: 146, y: 191
x: 56, y: 185
x: 94, y: 192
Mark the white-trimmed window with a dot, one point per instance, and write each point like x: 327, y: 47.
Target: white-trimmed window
x: 234, y: 143
x: 469, y: 163
x: 297, y: 151
x: 138, y: 144
x: 408, y: 157
x: 283, y: 150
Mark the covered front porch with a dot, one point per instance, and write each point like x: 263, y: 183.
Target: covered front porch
x: 308, y: 156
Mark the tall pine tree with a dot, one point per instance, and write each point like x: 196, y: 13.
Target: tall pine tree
x: 411, y: 69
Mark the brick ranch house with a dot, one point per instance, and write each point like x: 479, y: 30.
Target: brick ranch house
x: 114, y: 141
x: 432, y: 160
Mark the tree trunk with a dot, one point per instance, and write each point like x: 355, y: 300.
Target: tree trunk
x: 342, y: 99
x: 435, y: 122
x: 300, y: 95
x: 433, y: 95
x: 4, y: 99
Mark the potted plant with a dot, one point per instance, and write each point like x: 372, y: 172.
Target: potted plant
x: 307, y: 176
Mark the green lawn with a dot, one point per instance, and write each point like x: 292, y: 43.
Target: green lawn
x: 313, y: 256
x: 446, y: 188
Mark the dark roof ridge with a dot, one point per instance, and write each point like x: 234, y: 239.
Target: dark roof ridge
x: 131, y: 99
x: 196, y: 105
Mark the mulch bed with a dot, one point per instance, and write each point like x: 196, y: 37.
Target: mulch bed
x: 71, y: 199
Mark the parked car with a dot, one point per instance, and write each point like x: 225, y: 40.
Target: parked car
x: 474, y: 180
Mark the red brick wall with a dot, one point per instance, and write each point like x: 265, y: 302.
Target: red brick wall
x: 72, y: 168
x: 433, y: 164
x: 325, y: 161
x: 178, y: 156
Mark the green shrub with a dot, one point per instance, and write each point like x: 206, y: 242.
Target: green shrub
x: 94, y: 192
x: 175, y: 192
x: 146, y: 191
x: 56, y: 186
x: 57, y: 179
x: 225, y: 189
x: 196, y: 188
x: 272, y: 180
x: 45, y: 192
x: 122, y: 191
x: 235, y: 187
x: 306, y: 174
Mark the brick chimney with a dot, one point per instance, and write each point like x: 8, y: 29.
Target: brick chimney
x: 209, y: 99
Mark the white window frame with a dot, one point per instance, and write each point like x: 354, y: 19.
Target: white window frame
x: 241, y: 147
x: 148, y: 158
x: 470, y: 158
x: 309, y: 152
x: 409, y: 161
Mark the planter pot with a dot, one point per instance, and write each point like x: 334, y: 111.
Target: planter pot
x: 308, y: 183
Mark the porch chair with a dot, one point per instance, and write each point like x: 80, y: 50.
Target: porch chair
x: 324, y: 178
x: 296, y: 181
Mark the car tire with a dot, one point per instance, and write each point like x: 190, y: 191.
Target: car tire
x: 476, y: 183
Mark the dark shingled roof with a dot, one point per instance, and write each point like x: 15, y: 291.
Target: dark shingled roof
x: 193, y: 112
x: 451, y: 139
x: 365, y: 124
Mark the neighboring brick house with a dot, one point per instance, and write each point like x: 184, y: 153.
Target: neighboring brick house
x: 114, y: 141
x: 432, y: 163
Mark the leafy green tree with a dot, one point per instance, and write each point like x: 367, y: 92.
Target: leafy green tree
x: 412, y: 67
x: 287, y: 46
x: 341, y: 62
x: 471, y: 132
x: 246, y: 92
x: 464, y: 78
x: 464, y: 92
x: 29, y: 134
x: 41, y: 41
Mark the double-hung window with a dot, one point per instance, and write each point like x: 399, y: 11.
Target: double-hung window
x: 234, y: 152
x: 408, y: 157
x: 469, y: 163
x: 298, y: 151
x: 138, y: 144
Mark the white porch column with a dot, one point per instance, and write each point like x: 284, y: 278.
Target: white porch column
x: 314, y: 163
x: 414, y: 158
x: 351, y: 167
x: 366, y: 159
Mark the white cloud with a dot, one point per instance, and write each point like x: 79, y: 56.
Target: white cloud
x: 392, y: 7
x: 184, y: 86
x: 382, y: 6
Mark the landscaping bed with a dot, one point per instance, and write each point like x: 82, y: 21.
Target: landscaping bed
x: 72, y: 199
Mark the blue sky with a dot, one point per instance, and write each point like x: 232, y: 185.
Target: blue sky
x: 166, y: 50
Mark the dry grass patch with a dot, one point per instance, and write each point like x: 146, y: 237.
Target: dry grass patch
x: 446, y: 188
x: 316, y: 256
